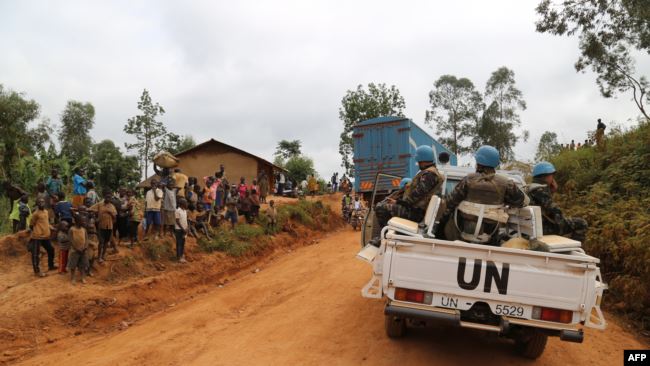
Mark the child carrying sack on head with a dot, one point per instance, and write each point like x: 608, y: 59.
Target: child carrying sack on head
x: 63, y: 239
x: 79, y: 245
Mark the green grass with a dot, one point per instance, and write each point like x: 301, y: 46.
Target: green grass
x: 156, y: 249
x: 242, y: 240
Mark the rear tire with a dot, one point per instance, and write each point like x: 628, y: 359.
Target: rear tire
x: 395, y: 327
x: 533, y: 346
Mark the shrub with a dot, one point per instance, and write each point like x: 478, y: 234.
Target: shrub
x: 156, y: 249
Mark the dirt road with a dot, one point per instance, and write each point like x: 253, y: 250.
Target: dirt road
x: 305, y: 309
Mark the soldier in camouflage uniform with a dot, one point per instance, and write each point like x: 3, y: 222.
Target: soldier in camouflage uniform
x: 416, y: 195
x: 486, y: 188
x: 541, y: 194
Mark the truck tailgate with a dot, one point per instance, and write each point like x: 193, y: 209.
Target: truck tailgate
x: 491, y: 273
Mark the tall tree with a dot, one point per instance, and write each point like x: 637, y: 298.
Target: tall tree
x: 611, y: 34
x: 498, y: 121
x: 77, y: 120
x: 363, y: 104
x: 455, y: 105
x: 113, y: 169
x: 547, y: 146
x: 286, y: 149
x: 174, y: 143
x: 16, y: 113
x: 147, y: 130
x: 299, y: 167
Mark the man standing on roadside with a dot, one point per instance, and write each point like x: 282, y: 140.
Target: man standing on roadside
x: 153, y: 203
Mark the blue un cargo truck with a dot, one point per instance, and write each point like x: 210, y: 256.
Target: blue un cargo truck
x: 387, y: 145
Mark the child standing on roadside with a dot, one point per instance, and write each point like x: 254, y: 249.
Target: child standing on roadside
x: 135, y: 209
x: 181, y: 230
x: 79, y: 245
x: 63, y: 239
x: 272, y: 216
x: 63, y: 209
x: 40, y: 229
x: 92, y: 198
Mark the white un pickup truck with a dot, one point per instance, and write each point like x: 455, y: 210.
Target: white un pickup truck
x: 521, y: 294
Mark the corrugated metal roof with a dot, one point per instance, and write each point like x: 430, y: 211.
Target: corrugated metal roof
x: 382, y: 120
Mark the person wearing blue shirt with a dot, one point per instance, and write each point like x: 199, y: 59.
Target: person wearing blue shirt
x: 79, y: 188
x: 63, y: 209
x: 53, y: 186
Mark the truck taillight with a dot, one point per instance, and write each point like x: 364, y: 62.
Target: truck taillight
x: 552, y: 315
x: 405, y: 294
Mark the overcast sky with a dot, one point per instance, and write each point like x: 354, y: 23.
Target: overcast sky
x: 250, y: 73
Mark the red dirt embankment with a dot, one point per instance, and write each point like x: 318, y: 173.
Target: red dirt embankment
x: 40, y: 313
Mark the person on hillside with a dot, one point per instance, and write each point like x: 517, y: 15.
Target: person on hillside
x: 255, y: 204
x: 232, y: 214
x: 242, y: 188
x: 63, y: 209
x: 272, y: 217
x: 554, y: 222
x: 93, y: 243
x: 92, y: 198
x: 78, y: 247
x: 312, y: 185
x: 480, y: 199
x: 221, y: 173
x: 180, y: 229
x: 40, y: 233
x: 335, y: 182
x: 53, y: 186
x: 572, y: 145
x: 63, y: 241
x: 210, y: 192
x: 219, y: 195
x: 135, y: 216
x: 106, y: 217
x: 153, y: 203
x: 169, y: 208
x: 200, y: 217
x: 263, y: 180
x: 415, y: 199
x: 79, y: 189
x: 20, y: 214
x: 600, y: 134
x: 121, y: 203
x: 180, y: 182
x: 281, y: 182
x: 245, y: 207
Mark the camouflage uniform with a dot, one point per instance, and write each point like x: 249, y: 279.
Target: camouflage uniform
x: 412, y: 201
x: 554, y: 222
x: 486, y: 188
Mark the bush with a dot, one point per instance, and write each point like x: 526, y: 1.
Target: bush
x: 156, y: 249
x: 242, y: 240
x: 611, y: 190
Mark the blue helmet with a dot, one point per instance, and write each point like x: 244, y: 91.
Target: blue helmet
x: 404, y: 182
x: 487, y: 155
x: 424, y: 153
x: 543, y: 168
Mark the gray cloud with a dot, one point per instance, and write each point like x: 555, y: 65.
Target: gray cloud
x: 250, y: 73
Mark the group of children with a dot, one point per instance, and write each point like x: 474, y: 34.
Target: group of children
x: 85, y: 229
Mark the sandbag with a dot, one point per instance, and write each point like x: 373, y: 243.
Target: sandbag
x: 165, y: 159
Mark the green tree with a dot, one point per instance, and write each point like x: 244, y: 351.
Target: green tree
x: 16, y: 113
x: 547, y: 146
x: 360, y: 105
x: 299, y: 167
x: 174, y: 143
x: 286, y: 149
x: 455, y: 105
x: 147, y: 130
x: 112, y: 168
x: 498, y: 121
x: 611, y: 34
x: 77, y: 120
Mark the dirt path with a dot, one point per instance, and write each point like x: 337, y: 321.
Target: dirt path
x: 305, y: 308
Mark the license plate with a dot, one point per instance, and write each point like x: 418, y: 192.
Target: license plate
x: 498, y: 308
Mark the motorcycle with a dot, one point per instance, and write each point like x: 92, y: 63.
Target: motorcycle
x: 356, y: 219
